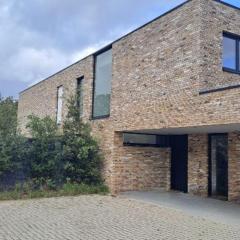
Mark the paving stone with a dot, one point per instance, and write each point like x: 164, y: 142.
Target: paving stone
x: 104, y: 218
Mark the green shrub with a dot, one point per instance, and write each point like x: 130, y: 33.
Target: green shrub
x: 52, y: 159
x: 14, y: 162
x: 13, y: 147
x: 44, y: 152
x: 8, y: 117
x: 81, y: 157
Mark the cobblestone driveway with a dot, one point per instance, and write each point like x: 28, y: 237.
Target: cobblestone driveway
x: 103, y: 217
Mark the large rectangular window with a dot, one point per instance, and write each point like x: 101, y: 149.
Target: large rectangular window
x: 59, y: 104
x: 80, y: 95
x: 231, y: 53
x: 102, y: 84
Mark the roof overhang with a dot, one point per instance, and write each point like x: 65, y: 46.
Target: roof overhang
x: 223, y: 128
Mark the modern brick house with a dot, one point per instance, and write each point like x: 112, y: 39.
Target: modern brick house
x: 164, y: 101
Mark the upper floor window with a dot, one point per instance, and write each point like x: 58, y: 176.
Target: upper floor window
x: 59, y: 104
x: 231, y: 53
x: 80, y: 95
x: 102, y: 84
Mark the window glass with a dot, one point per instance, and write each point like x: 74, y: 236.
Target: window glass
x: 146, y: 140
x: 59, y: 104
x: 229, y: 53
x: 102, y: 84
x: 239, y: 55
x: 130, y: 138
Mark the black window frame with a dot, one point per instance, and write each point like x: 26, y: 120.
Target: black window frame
x: 79, y: 82
x: 57, y: 109
x: 236, y: 38
x: 94, y: 79
x: 210, y: 160
x: 159, y: 141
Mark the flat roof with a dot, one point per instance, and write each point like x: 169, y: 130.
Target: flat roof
x: 110, y: 44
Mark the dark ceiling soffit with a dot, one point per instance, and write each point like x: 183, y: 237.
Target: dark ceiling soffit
x: 109, y: 45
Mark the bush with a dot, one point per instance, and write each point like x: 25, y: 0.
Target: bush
x: 52, y: 159
x: 82, y: 161
x: 14, y: 161
x: 44, y: 151
x: 13, y: 147
x: 71, y: 156
x: 8, y: 117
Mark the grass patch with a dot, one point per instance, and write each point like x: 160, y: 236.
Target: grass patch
x: 67, y: 189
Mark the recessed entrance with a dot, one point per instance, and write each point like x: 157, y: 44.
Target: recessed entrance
x: 179, y: 162
x: 218, y: 166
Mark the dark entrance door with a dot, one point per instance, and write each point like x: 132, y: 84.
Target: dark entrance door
x: 218, y: 166
x: 179, y: 162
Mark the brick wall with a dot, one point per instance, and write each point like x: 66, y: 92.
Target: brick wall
x: 218, y: 18
x: 234, y: 167
x: 219, y: 107
x: 41, y: 99
x: 140, y: 168
x: 198, y: 164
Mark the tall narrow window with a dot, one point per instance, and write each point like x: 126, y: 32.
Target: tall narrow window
x: 231, y: 53
x: 59, y: 104
x: 218, y: 165
x: 80, y: 95
x: 102, y: 84
x: 239, y: 55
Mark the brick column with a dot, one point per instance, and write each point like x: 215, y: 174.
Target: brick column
x: 198, y: 164
x: 234, y: 167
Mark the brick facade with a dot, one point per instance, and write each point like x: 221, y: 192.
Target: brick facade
x: 140, y: 168
x: 159, y: 75
x: 234, y: 167
x: 198, y: 164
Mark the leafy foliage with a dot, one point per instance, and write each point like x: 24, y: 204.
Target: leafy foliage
x: 53, y: 156
x: 13, y: 164
x: 43, y: 151
x: 8, y: 117
x: 82, y: 162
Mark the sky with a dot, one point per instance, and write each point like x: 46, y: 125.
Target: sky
x: 40, y: 37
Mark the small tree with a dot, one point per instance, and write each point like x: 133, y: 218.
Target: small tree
x: 82, y: 161
x: 8, y: 117
x: 49, y: 159
x: 70, y: 156
x: 13, y: 147
x: 43, y: 151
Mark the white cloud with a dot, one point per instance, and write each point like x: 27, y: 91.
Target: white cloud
x: 80, y: 54
x: 31, y: 65
x: 38, y: 38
